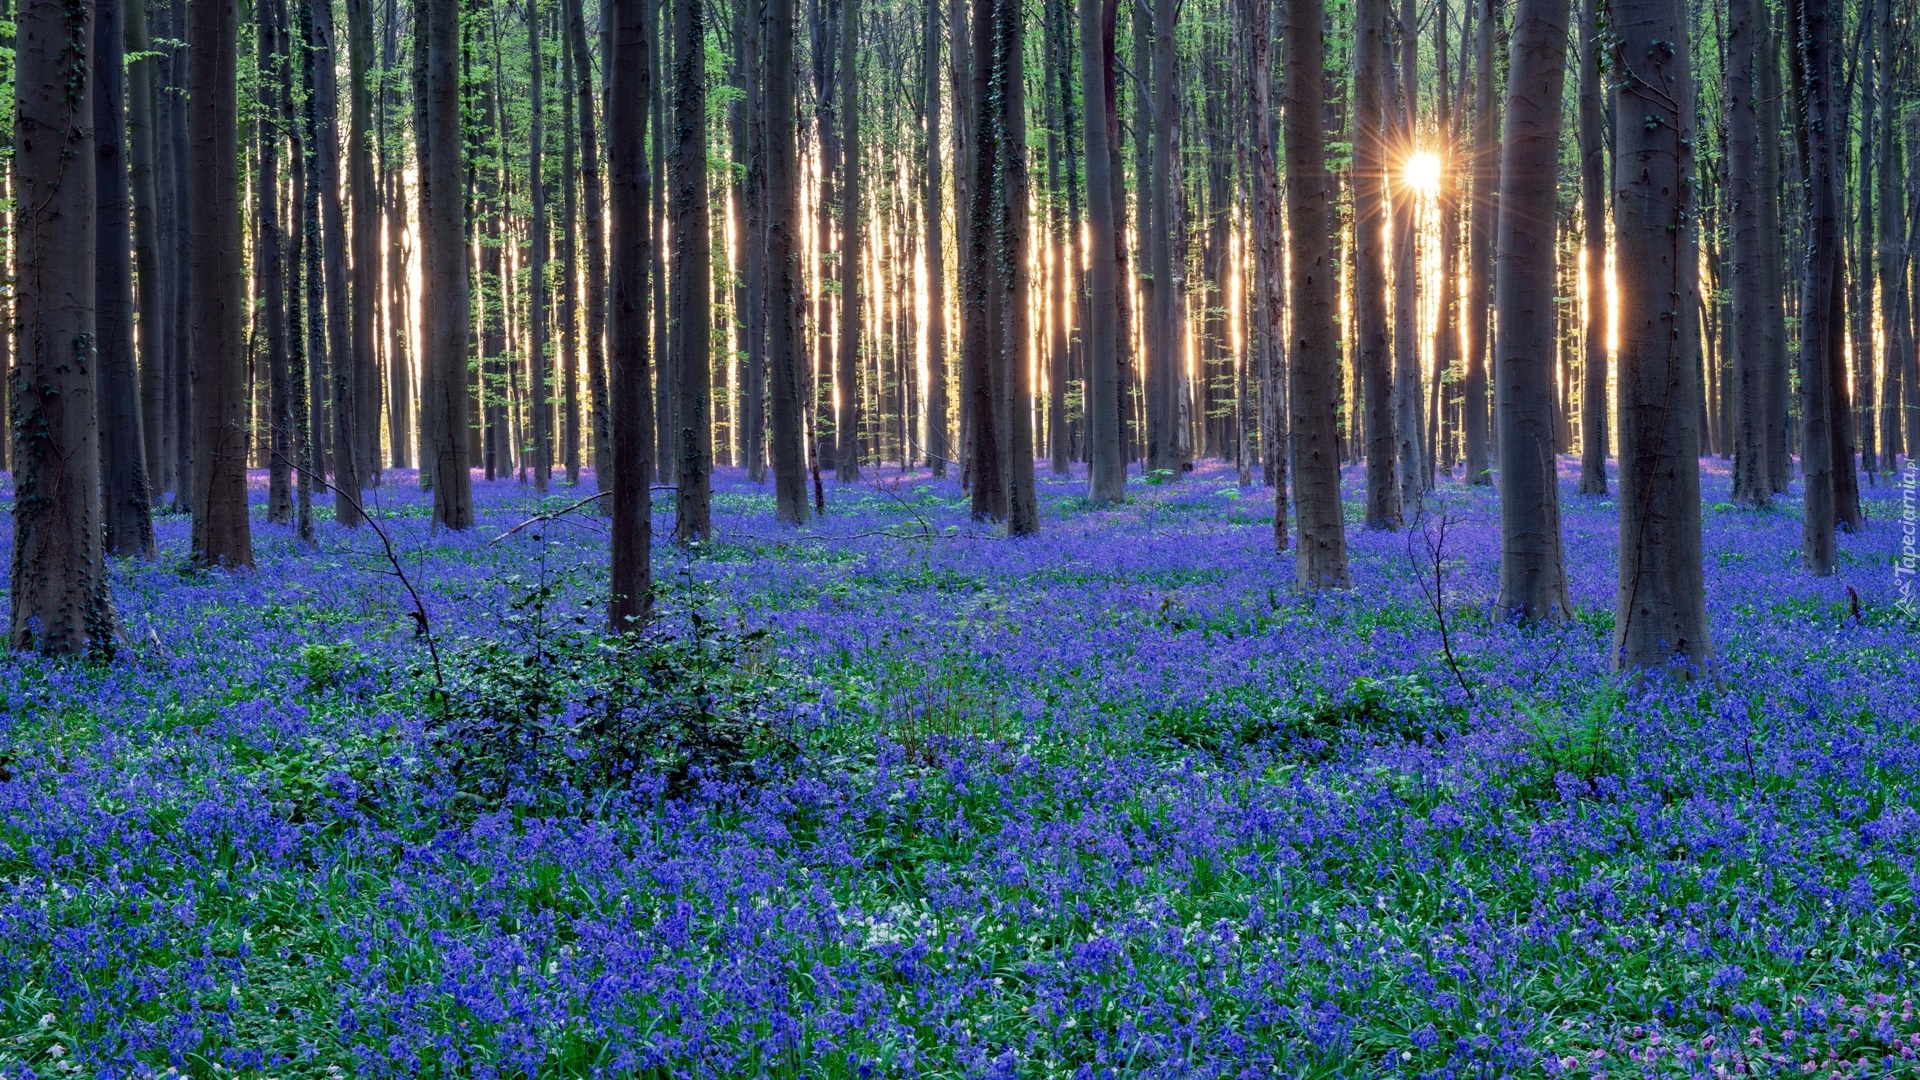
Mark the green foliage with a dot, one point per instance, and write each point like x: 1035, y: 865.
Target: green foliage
x: 1584, y: 744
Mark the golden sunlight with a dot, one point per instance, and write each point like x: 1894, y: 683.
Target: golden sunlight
x: 1423, y: 172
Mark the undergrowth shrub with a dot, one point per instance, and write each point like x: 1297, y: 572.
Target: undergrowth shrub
x: 553, y: 706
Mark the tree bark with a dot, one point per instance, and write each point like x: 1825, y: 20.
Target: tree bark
x: 1164, y: 345
x: 595, y: 284
x: 979, y: 333
x: 1408, y: 440
x: 221, y: 531
x: 127, y: 502
x: 1660, y: 609
x: 365, y: 280
x: 269, y: 255
x: 1269, y: 263
x: 1373, y: 347
x: 1106, y: 447
x: 692, y: 256
x: 1533, y: 576
x: 1011, y: 265
x: 629, y: 76
x: 444, y: 278
x: 339, y: 361
x: 154, y: 286
x: 786, y: 291
x: 846, y: 423
x: 60, y: 601
x: 1482, y: 219
x: 1752, y: 484
x: 1813, y: 72
x: 540, y: 374
x: 1320, y: 560
x: 1593, y: 206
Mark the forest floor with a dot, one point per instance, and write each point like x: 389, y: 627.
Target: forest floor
x: 893, y: 796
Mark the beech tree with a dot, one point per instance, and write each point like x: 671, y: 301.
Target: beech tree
x: 1660, y: 608
x: 1533, y: 577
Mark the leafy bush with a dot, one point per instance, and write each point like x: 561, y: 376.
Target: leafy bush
x: 558, y: 707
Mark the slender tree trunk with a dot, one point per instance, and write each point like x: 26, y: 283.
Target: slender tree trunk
x: 693, y: 438
x: 1813, y: 70
x: 1480, y: 228
x: 154, y: 287
x: 365, y: 280
x: 340, y: 362
x: 60, y: 600
x: 1373, y: 346
x: 978, y: 337
x: 595, y: 284
x: 846, y: 424
x: 270, y: 269
x: 1774, y: 388
x: 754, y: 199
x: 300, y: 419
x: 127, y: 502
x: 1861, y: 297
x: 1320, y: 561
x: 1269, y: 264
x: 1593, y: 206
x: 1892, y: 235
x: 1164, y: 346
x: 629, y: 75
x: 786, y: 291
x: 1661, y: 602
x: 1106, y: 446
x: 569, y: 267
x: 1752, y: 485
x: 540, y: 380
x: 221, y: 532
x: 1533, y: 575
x: 666, y: 397
x: 1011, y: 268
x: 1406, y: 272
x: 444, y: 278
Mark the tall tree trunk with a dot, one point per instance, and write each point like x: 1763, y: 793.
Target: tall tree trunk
x: 754, y: 200
x: 1269, y: 263
x: 154, y: 288
x: 295, y: 304
x: 1774, y: 388
x: 365, y: 280
x: 1593, y: 207
x: 270, y: 269
x: 846, y: 424
x: 127, y: 501
x: 540, y: 380
x: 786, y: 291
x: 978, y: 335
x: 1406, y: 271
x: 1057, y: 323
x: 1861, y: 298
x: 1011, y: 232
x: 222, y: 534
x: 1480, y: 228
x: 1372, y: 345
x: 629, y: 67
x: 1164, y: 345
x: 1813, y: 80
x: 1320, y: 561
x: 595, y: 284
x: 569, y: 267
x: 444, y: 274
x: 1106, y: 446
x: 939, y: 448
x: 1752, y: 484
x: 1661, y: 602
x: 1533, y: 575
x: 60, y: 601
x: 1892, y: 235
x: 666, y: 397
x: 693, y: 437
x: 340, y: 362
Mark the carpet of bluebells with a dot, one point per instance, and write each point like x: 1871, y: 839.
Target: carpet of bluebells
x: 1115, y: 801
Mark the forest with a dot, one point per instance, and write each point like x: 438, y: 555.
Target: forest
x: 960, y: 538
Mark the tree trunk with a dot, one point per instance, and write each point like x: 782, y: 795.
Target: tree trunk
x: 979, y: 335
x: 339, y: 360
x: 540, y: 377
x: 595, y: 284
x: 1661, y: 602
x: 754, y: 203
x: 1408, y: 449
x: 629, y: 67
x: 1813, y: 71
x: 270, y: 269
x: 1480, y: 229
x: 1373, y: 349
x: 1775, y: 392
x: 444, y: 274
x: 569, y: 270
x: 846, y: 423
x: 127, y: 503
x: 300, y: 419
x: 1269, y: 263
x: 666, y: 398
x: 1593, y: 206
x: 786, y: 291
x: 1892, y: 227
x: 154, y: 286
x: 1164, y: 346
x: 692, y: 255
x: 1106, y: 446
x: 1533, y: 575
x: 1320, y: 561
x: 60, y: 597
x: 1011, y: 268
x: 221, y: 530
x: 1752, y: 484
x: 365, y: 280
